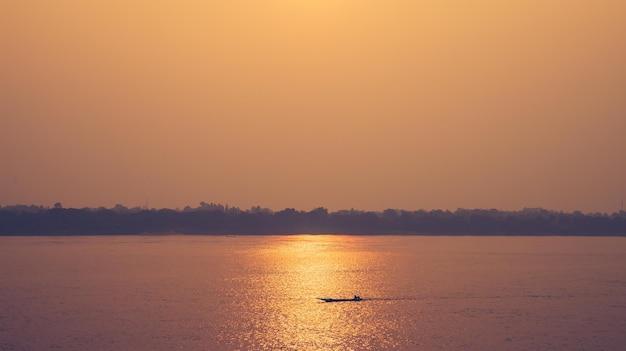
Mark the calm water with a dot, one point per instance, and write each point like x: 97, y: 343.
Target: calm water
x: 260, y: 293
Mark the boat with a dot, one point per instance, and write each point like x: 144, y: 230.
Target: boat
x: 355, y: 298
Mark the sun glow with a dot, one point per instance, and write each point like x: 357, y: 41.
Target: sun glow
x: 303, y: 103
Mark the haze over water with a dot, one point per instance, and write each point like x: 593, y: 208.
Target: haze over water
x: 260, y: 293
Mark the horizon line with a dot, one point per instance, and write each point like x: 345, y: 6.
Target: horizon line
x: 226, y: 207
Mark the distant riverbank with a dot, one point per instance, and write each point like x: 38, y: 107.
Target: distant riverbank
x: 221, y: 220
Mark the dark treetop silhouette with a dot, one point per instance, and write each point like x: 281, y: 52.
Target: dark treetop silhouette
x: 220, y: 219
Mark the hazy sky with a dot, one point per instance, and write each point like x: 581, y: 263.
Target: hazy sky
x: 304, y: 103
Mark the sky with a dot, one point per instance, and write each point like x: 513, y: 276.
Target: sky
x: 365, y: 104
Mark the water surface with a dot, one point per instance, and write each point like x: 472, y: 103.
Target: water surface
x: 261, y: 293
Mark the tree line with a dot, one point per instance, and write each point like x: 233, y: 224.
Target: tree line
x: 210, y: 218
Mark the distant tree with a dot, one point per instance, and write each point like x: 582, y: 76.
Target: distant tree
x: 120, y: 208
x: 390, y: 214
x: 212, y: 207
x: 260, y: 210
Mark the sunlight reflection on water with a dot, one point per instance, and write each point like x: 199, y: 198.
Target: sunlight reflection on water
x: 288, y: 276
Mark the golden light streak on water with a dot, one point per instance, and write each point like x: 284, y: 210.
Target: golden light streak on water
x: 301, y: 270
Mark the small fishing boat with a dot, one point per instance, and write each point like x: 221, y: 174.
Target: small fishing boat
x: 355, y: 298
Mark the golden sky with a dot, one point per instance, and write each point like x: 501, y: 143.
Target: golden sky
x: 304, y: 103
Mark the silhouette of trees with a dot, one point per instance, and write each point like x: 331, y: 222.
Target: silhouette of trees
x: 210, y: 218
